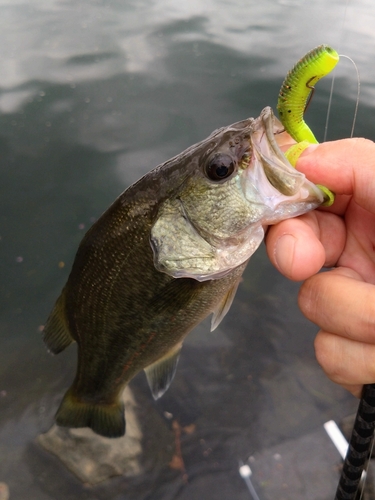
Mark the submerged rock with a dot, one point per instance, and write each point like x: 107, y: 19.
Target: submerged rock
x: 4, y: 491
x: 93, y: 458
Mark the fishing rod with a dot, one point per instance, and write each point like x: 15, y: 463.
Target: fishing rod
x: 294, y: 96
x: 360, y: 445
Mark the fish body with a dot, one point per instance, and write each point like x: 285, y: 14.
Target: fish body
x: 167, y: 253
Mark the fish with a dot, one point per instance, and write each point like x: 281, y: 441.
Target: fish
x: 166, y: 254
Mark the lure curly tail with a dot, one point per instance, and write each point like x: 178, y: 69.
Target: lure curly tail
x: 294, y: 97
x: 297, y: 88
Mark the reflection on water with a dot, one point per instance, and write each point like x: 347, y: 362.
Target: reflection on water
x: 92, y: 96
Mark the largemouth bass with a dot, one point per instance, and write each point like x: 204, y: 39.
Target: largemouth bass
x: 167, y: 253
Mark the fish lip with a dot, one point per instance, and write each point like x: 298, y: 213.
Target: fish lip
x: 270, y: 179
x: 265, y: 144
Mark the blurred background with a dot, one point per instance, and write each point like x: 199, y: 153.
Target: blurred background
x: 93, y: 94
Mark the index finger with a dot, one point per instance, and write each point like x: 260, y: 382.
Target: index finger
x: 347, y: 167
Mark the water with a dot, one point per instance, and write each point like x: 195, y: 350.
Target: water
x: 93, y: 95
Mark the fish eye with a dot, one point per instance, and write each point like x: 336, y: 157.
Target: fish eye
x: 219, y: 167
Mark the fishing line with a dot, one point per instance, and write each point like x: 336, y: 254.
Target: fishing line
x: 356, y: 103
x: 329, y: 109
x: 358, y: 93
x: 333, y: 78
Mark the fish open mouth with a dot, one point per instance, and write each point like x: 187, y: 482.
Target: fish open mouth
x: 278, y: 183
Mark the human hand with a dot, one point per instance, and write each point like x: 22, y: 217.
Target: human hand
x: 340, y: 301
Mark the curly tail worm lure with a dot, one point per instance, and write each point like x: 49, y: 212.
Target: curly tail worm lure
x: 298, y: 87
x: 295, y: 95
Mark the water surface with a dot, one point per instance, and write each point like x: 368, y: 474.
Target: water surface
x: 93, y: 95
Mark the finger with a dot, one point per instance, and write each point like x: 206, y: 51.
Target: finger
x: 346, y: 167
x: 284, y: 140
x: 294, y: 249
x: 299, y: 247
x: 355, y: 389
x: 340, y: 302
x: 360, y: 243
x: 345, y: 361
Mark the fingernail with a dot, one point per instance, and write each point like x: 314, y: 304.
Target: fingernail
x: 284, y: 253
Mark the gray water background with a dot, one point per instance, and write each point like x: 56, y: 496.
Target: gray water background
x: 93, y: 94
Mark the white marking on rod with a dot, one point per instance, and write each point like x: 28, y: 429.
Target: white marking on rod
x: 245, y: 473
x: 337, y: 437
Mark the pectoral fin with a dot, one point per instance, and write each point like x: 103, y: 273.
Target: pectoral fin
x: 224, y: 306
x: 160, y: 374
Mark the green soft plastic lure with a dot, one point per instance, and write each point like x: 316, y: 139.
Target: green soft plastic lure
x: 297, y: 88
x: 295, y: 95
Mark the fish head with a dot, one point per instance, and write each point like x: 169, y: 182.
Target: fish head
x: 234, y: 184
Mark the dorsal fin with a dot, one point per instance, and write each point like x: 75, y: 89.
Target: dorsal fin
x: 160, y: 374
x: 224, y: 306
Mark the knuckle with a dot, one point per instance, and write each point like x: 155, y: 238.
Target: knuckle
x: 309, y: 298
x: 331, y: 358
